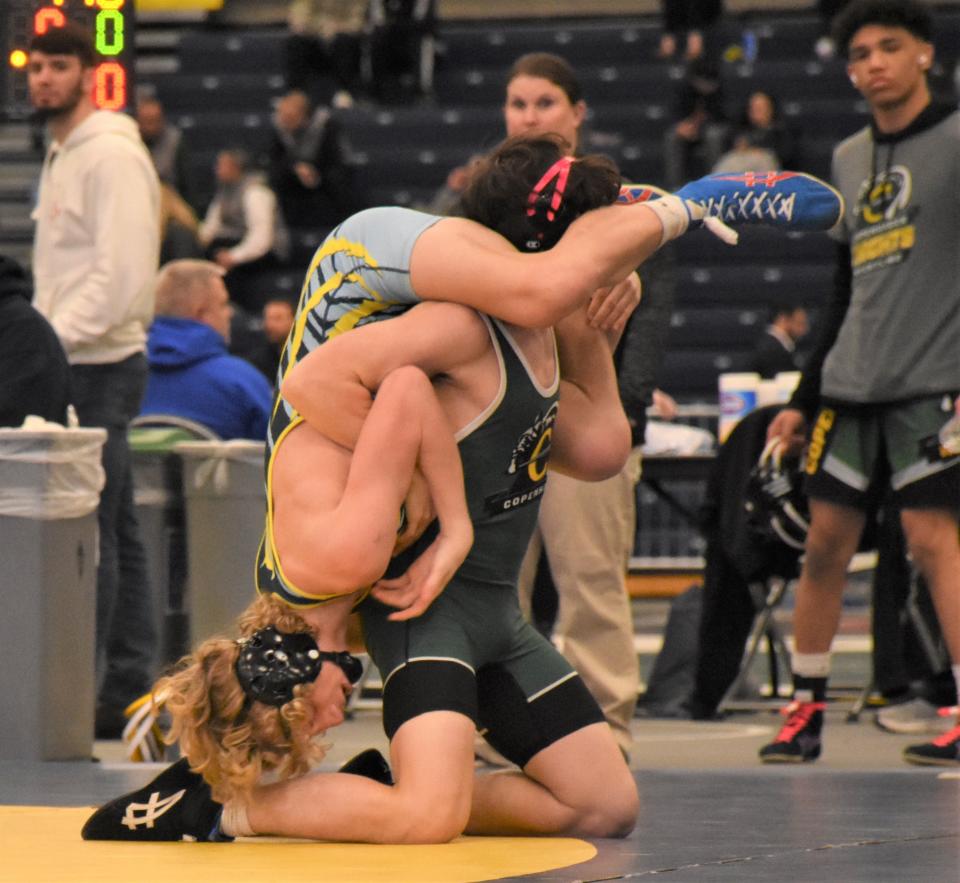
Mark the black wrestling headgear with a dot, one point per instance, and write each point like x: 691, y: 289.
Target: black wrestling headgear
x: 271, y: 663
x: 774, y: 500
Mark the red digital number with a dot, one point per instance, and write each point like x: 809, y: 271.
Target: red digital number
x: 110, y: 86
x: 47, y: 18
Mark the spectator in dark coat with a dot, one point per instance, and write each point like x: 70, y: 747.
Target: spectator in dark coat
x: 277, y: 317
x: 695, y: 140
x: 34, y: 374
x: 307, y: 162
x: 776, y: 350
x: 166, y: 145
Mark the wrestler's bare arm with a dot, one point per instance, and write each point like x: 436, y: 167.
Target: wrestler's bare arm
x: 333, y: 387
x: 459, y: 259
x: 591, y: 439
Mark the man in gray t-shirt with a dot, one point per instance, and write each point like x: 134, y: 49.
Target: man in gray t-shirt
x: 885, y: 376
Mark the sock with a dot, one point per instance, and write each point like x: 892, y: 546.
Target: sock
x: 810, y: 674
x: 673, y: 216
x: 956, y: 680
x: 234, y: 821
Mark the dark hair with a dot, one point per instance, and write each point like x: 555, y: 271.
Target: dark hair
x: 498, y: 194
x: 240, y: 156
x: 784, y: 308
x: 906, y: 14
x: 774, y: 104
x: 285, y: 299
x: 550, y: 67
x: 69, y: 39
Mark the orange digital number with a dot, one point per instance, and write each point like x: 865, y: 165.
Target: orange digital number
x: 47, y: 18
x: 110, y: 86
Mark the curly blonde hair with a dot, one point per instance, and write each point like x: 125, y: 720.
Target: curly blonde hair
x: 230, y: 740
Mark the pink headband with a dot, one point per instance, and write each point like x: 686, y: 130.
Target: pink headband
x: 559, y: 170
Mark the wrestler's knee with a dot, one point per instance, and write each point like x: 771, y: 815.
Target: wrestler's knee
x: 426, y: 821
x: 929, y: 533
x: 615, y: 812
x: 831, y: 540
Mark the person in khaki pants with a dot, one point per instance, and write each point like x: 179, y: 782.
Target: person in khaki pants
x: 586, y: 529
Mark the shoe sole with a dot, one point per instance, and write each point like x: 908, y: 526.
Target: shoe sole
x: 930, y: 729
x: 919, y: 760
x: 788, y: 758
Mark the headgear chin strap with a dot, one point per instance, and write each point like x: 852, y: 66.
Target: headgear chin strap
x: 543, y: 207
x: 271, y: 663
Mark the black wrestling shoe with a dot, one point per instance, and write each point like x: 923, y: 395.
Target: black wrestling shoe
x: 799, y: 738
x: 942, y: 751
x: 371, y: 764
x: 176, y: 805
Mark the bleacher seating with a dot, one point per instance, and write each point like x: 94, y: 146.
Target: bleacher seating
x: 236, y: 53
x: 703, y: 249
x: 215, y: 91
x: 496, y: 45
x: 753, y: 283
x: 717, y: 326
x: 219, y: 84
x: 222, y: 87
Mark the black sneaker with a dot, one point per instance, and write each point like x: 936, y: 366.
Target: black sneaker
x: 799, y: 738
x: 942, y: 751
x: 370, y: 764
x: 176, y: 805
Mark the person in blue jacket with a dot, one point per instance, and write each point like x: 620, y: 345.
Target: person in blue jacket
x: 192, y: 374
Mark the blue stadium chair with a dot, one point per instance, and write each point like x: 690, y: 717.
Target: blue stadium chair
x: 788, y: 36
x: 474, y: 128
x: 691, y: 374
x: 303, y: 243
x: 399, y: 194
x: 833, y: 118
x: 817, y: 154
x: 646, y: 120
x: 229, y: 52
x: 596, y: 42
x: 629, y: 82
x: 753, y: 284
x: 401, y: 167
x: 640, y: 162
x: 211, y: 131
x: 193, y: 93
x: 286, y: 281
x: 717, y: 326
x: 757, y: 244
x: 473, y: 85
x: 787, y: 78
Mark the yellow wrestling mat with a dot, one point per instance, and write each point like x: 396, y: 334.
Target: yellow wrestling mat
x: 42, y: 845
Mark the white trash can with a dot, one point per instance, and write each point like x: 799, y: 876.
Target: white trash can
x: 50, y: 483
x: 226, y: 507
x: 158, y: 501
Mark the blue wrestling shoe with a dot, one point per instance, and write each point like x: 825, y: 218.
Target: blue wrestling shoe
x: 787, y: 200
x: 631, y: 193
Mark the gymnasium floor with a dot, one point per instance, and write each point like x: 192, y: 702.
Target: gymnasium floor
x: 709, y: 812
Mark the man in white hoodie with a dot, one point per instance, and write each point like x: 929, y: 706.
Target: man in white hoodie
x: 95, y: 257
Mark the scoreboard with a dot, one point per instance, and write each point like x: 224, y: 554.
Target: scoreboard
x: 111, y: 24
